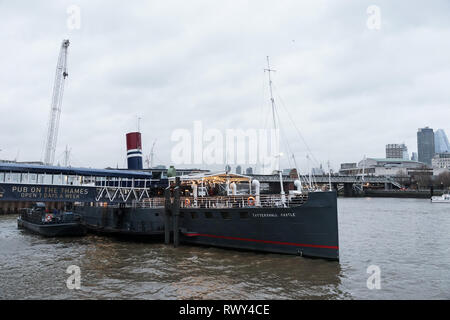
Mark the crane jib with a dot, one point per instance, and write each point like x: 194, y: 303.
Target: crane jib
x: 55, y: 108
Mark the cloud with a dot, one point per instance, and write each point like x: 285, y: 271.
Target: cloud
x: 350, y: 90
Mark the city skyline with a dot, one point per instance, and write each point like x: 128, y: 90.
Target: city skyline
x: 406, y: 155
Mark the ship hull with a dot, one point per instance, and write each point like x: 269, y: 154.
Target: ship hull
x: 309, y: 230
x: 146, y: 223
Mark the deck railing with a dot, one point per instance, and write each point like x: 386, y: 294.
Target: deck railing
x: 244, y: 201
x: 156, y: 202
x: 151, y: 203
x: 215, y: 202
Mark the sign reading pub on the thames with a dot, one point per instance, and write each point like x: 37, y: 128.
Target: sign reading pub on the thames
x: 29, y: 192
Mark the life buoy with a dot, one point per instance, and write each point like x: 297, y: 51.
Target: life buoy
x: 187, y: 202
x: 251, y: 201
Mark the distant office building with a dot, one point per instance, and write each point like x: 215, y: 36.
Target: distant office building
x: 441, y: 143
x: 391, y: 167
x: 348, y: 165
x: 414, y: 157
x: 397, y: 151
x: 441, y: 160
x: 349, y: 169
x: 425, y: 145
x: 238, y: 170
x: 227, y: 168
x: 249, y: 170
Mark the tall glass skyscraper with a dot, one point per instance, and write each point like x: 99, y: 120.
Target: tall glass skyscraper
x: 441, y: 143
x: 425, y: 145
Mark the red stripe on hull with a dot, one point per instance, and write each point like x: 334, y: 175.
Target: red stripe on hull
x: 263, y: 241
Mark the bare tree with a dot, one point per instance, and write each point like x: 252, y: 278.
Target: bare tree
x: 443, y: 180
x: 423, y: 181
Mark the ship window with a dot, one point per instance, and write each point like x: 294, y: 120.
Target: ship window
x: 47, y: 179
x: 194, y: 215
x: 226, y: 215
x: 32, y: 178
x: 243, y: 215
x: 57, y: 179
x: 15, y: 177
x: 208, y: 215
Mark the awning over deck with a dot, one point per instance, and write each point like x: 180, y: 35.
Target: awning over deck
x: 213, y: 177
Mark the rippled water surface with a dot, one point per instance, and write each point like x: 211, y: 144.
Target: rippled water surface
x: 408, y: 239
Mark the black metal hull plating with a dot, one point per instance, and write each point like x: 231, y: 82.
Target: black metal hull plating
x: 135, y: 222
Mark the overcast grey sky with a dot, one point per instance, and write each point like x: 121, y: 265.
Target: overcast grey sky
x: 350, y: 90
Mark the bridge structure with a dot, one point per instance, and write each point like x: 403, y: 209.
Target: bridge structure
x: 351, y: 185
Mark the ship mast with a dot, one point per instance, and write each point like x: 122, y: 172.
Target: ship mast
x: 272, y: 100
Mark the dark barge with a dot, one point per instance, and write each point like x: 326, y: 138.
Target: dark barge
x: 57, y: 223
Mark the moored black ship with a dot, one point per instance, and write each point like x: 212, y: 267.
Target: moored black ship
x: 303, y: 223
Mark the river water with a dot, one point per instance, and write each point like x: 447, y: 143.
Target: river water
x: 407, y: 239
